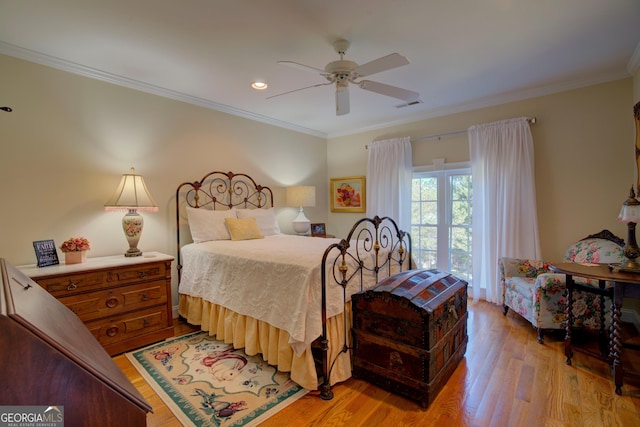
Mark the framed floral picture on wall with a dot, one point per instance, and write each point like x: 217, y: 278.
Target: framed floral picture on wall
x: 348, y: 194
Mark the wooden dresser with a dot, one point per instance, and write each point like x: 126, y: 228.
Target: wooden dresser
x: 49, y: 358
x: 124, y: 302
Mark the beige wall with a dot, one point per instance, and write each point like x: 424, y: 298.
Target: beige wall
x: 69, y: 139
x: 636, y: 86
x: 584, y: 153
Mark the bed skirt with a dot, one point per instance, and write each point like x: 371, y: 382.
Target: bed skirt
x: 258, y: 337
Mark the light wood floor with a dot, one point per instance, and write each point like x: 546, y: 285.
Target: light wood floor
x: 505, y: 379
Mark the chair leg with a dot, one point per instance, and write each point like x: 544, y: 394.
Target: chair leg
x: 540, y: 335
x: 505, y: 309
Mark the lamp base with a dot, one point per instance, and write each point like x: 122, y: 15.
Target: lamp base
x: 301, y: 224
x: 133, y: 252
x: 630, y: 251
x: 132, y: 224
x: 631, y: 266
x: 301, y: 227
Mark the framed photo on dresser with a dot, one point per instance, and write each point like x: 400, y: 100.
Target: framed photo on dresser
x: 318, y: 230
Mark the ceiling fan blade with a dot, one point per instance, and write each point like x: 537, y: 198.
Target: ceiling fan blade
x: 297, y: 90
x: 302, y: 67
x: 388, y: 90
x: 342, y: 100
x: 385, y: 63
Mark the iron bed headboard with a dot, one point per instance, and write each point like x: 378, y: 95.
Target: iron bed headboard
x: 220, y: 190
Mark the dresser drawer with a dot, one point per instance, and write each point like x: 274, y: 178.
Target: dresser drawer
x: 70, y: 284
x: 85, y: 281
x: 127, y: 326
x: 111, y: 302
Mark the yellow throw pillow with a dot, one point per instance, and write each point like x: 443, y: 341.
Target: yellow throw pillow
x: 243, y: 229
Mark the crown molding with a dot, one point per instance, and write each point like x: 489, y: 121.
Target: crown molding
x: 492, y: 101
x: 51, y: 61
x: 72, y: 67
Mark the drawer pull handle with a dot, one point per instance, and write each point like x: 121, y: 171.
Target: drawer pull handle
x: 111, y: 302
x: 71, y: 286
x: 145, y: 297
x: 145, y: 323
x: 143, y: 274
x: 112, y: 331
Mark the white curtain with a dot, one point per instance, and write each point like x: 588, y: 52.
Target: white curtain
x: 389, y: 173
x: 505, y: 221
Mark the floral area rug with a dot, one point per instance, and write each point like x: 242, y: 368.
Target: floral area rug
x: 206, y: 382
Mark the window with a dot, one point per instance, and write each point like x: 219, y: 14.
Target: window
x: 441, y: 219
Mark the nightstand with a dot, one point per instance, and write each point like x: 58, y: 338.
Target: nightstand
x: 125, y: 302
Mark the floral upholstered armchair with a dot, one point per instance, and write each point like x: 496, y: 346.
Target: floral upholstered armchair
x: 538, y: 295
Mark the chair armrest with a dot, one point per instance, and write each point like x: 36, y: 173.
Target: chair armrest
x: 550, y: 281
x: 520, y: 267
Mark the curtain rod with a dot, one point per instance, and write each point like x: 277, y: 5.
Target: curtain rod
x: 530, y: 120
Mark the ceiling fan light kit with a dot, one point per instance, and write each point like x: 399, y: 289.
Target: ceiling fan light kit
x: 342, y: 72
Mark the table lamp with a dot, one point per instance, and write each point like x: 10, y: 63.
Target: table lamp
x: 131, y: 195
x: 630, y: 214
x: 301, y: 196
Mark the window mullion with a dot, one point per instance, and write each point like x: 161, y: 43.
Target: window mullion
x: 443, y: 221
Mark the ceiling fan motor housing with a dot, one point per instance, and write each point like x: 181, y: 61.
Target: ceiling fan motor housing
x: 341, y: 70
x: 341, y: 66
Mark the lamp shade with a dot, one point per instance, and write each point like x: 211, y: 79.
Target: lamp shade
x: 301, y: 196
x: 132, y: 193
x: 630, y: 211
x: 630, y: 214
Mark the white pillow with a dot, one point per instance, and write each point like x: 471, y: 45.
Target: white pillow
x: 266, y: 219
x: 207, y: 224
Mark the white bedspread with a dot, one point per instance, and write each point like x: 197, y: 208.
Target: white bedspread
x: 275, y: 279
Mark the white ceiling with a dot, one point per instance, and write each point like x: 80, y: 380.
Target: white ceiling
x: 464, y: 54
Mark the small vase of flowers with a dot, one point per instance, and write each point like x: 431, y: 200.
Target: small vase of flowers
x: 75, y: 250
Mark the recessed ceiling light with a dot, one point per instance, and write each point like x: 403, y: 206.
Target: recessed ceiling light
x: 259, y: 85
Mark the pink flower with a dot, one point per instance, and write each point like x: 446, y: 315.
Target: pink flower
x: 75, y: 244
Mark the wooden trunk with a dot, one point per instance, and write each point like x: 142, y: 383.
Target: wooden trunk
x: 410, y: 332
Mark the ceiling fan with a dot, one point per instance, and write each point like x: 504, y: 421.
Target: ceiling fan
x: 343, y: 72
